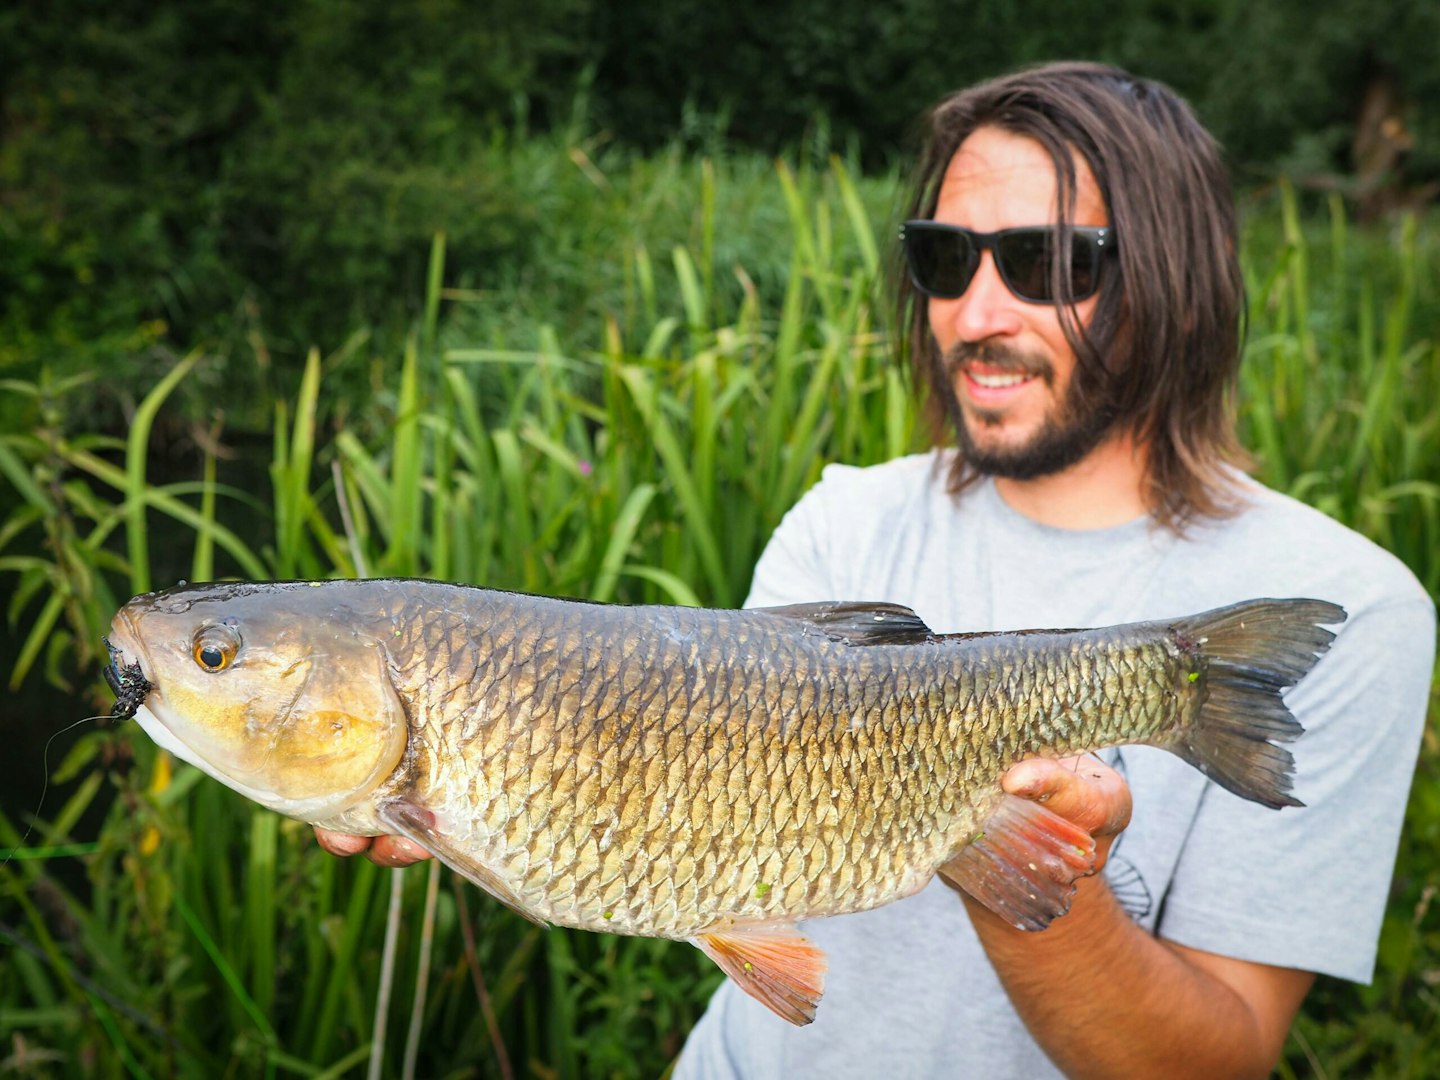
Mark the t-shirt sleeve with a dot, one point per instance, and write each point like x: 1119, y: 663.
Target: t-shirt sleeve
x: 1306, y: 887
x: 845, y: 536
x: 792, y: 568
x: 798, y: 565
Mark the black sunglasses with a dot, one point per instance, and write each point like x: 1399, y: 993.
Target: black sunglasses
x: 943, y: 258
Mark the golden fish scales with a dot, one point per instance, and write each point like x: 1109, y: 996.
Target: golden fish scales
x: 646, y: 784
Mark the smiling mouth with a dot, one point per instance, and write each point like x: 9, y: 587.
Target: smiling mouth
x: 995, y: 366
x: 997, y: 380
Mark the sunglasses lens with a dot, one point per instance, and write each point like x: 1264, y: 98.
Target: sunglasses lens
x: 1024, y: 257
x: 1085, y: 266
x: 942, y: 262
x: 1025, y: 263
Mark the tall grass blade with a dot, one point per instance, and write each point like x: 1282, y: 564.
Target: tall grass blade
x: 422, y: 973
x: 387, y: 973
x: 290, y: 475
x: 232, y: 980
x: 261, y: 912
x: 37, y: 639
x: 859, y: 218
x: 136, y: 454
x: 622, y: 536
x: 675, y: 588
x: 406, y: 479
x: 677, y: 471
x: 202, y: 562
x: 118, y: 1041
x: 691, y: 293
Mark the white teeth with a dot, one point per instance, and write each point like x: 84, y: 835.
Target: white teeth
x: 995, y: 382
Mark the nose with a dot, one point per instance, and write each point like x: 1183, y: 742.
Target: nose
x: 986, y: 309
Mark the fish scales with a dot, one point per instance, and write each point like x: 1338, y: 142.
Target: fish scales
x: 792, y: 802
x: 681, y: 772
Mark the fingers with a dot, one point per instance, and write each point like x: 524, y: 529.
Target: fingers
x: 1082, y: 790
x: 396, y: 851
x: 392, y: 851
x: 342, y: 844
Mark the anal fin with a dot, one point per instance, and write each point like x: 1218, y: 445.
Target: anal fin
x: 1023, y: 864
x: 773, y: 963
x: 416, y: 823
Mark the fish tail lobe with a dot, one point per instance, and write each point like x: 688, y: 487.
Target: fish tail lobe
x: 1243, y: 658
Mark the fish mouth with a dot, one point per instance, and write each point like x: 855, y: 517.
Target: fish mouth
x: 137, y: 697
x: 127, y: 681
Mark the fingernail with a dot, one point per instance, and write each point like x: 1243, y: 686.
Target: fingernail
x: 1023, y: 783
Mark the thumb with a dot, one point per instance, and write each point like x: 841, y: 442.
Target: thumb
x: 1083, y: 790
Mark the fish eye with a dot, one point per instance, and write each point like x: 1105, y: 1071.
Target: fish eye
x: 215, y: 647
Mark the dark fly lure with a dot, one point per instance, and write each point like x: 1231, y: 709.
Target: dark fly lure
x: 129, y: 684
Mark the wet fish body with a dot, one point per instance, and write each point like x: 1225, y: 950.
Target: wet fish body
x: 706, y: 775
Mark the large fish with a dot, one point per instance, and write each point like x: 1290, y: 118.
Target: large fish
x: 713, y: 776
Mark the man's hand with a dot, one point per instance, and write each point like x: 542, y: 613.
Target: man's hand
x: 1102, y: 996
x: 1082, y: 790
x: 391, y: 851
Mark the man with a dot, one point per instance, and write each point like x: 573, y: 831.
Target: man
x: 1094, y: 482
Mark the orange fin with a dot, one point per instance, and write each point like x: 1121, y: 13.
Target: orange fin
x: 775, y: 964
x: 1023, y: 864
x: 413, y: 821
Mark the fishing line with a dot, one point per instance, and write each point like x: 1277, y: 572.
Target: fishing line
x: 14, y: 852
x: 130, y: 687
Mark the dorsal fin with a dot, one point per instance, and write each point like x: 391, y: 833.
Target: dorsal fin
x: 858, y: 622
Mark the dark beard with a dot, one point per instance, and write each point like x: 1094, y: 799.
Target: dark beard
x: 1064, y: 438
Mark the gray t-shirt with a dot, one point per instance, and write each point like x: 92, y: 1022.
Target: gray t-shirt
x: 910, y: 992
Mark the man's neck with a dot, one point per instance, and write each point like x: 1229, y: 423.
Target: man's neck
x: 1103, y: 489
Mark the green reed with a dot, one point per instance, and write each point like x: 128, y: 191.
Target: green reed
x: 644, y: 460
x: 1340, y: 391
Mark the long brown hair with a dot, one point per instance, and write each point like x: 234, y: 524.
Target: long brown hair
x: 1162, y: 351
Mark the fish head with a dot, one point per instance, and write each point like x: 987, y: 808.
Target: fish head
x: 277, y: 690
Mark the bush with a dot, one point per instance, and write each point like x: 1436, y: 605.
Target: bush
x: 167, y: 168
x: 253, y: 180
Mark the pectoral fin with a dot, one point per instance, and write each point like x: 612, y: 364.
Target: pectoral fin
x: 1023, y: 864
x: 774, y: 963
x: 420, y: 825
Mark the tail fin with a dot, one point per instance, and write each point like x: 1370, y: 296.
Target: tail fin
x: 1249, y: 653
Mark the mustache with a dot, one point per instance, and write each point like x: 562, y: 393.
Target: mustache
x: 997, y: 355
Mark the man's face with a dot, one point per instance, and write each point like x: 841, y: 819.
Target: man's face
x: 1011, y: 367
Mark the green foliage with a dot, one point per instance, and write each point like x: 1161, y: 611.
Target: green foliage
x: 195, y: 174
x: 1339, y: 391
x: 159, y: 924
x: 1279, y: 82
x: 246, y: 180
